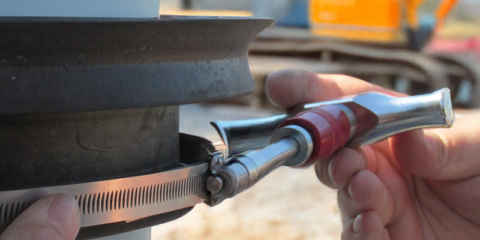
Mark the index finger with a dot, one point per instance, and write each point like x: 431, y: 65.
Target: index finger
x: 288, y: 88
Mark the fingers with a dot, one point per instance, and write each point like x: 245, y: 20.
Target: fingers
x: 365, y: 202
x: 366, y: 192
x: 55, y: 217
x: 288, y: 88
x: 337, y: 170
x: 441, y: 154
x: 367, y: 225
x: 367, y: 207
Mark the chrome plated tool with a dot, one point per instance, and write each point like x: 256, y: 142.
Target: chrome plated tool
x: 251, y: 150
x: 317, y: 133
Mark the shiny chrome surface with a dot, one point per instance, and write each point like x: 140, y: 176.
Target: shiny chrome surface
x: 403, y: 114
x: 118, y: 200
x: 243, y: 171
x: 259, y: 163
x: 235, y: 180
x: 395, y: 115
x: 243, y: 135
x: 304, y: 141
x: 340, y: 101
x: 292, y: 145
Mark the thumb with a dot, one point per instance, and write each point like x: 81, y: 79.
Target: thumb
x: 441, y: 154
x: 54, y: 217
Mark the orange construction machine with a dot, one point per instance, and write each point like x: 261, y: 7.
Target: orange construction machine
x: 370, y: 20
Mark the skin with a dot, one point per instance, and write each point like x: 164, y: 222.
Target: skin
x: 54, y: 217
x: 421, y: 184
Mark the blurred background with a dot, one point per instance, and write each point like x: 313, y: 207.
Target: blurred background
x: 410, y: 46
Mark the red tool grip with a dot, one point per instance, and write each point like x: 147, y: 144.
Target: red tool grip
x: 328, y: 126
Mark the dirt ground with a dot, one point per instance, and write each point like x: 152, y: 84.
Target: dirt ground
x: 287, y: 204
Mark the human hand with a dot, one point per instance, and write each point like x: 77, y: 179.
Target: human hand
x: 55, y: 217
x: 422, y: 184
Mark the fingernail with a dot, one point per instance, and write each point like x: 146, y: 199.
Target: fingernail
x: 357, y: 223
x: 318, y: 168
x: 65, y: 213
x: 350, y: 191
x: 330, y: 170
